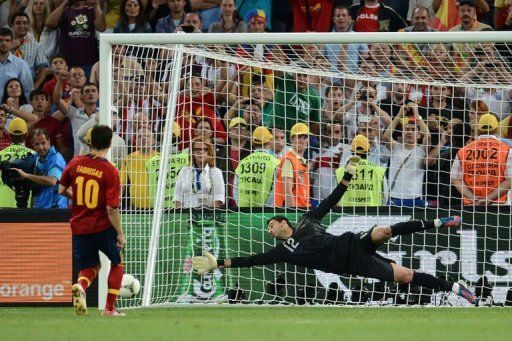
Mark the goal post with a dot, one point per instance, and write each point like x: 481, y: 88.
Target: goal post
x: 160, y: 91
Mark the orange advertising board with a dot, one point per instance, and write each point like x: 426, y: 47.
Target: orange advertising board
x: 35, y: 263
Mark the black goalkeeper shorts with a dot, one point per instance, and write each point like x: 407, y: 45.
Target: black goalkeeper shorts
x: 364, y: 261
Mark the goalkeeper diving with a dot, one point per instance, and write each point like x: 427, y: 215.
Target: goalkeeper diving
x: 309, y: 245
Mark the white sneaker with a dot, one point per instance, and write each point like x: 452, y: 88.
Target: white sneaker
x: 79, y: 301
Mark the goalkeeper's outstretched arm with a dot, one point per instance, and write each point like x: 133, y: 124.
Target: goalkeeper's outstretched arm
x: 328, y: 203
x: 207, y: 262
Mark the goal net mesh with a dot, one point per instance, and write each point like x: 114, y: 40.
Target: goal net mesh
x: 409, y: 108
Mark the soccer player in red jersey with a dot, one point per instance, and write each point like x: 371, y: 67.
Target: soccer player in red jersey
x: 93, y: 184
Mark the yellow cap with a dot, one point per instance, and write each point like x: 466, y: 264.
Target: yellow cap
x: 236, y: 121
x: 176, y: 129
x: 87, y: 138
x: 299, y: 129
x: 360, y: 144
x: 261, y: 135
x: 488, y: 122
x: 18, y: 126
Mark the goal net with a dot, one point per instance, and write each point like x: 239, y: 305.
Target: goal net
x: 208, y: 121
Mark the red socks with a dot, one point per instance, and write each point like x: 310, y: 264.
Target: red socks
x: 86, y: 276
x: 114, y: 283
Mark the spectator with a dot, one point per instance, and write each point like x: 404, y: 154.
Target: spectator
x: 458, y: 134
x: 327, y: 160
x: 374, y: 16
x: 311, y: 15
x: 201, y: 184
x: 13, y: 151
x: 292, y: 185
x: 25, y: 47
x: 132, y: 18
x: 439, y: 62
x: 238, y: 147
x: 195, y: 104
x: 502, y: 15
x: 38, y: 12
x: 77, y: 29
x: 359, y: 107
x: 14, y: 101
x: 295, y: 101
x: 203, y: 128
x: 48, y: 170
x: 5, y: 138
x: 477, y: 109
x: 118, y: 149
x: 134, y: 177
x: 249, y: 110
x: 334, y: 98
x: 343, y: 57
x: 175, y: 18
x: 230, y: 20
x: 440, y: 105
x: 468, y: 19
x: 408, y: 159
x: 419, y: 23
x: 177, y: 161
x: 482, y: 7
x: 398, y: 97
x: 256, y: 20
x: 78, y: 116
x: 413, y: 4
x: 378, y: 154
x: 12, y: 66
x: 255, y: 174
x: 40, y: 118
x: 482, y: 169
x: 368, y: 188
x: 264, y: 7
x: 57, y: 64
x: 208, y: 11
x: 193, y: 23
x: 278, y: 142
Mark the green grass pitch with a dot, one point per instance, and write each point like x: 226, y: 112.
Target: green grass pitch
x: 259, y: 323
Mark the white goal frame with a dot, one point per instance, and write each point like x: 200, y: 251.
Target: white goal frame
x: 107, y: 40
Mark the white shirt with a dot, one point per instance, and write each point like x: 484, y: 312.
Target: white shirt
x: 324, y: 177
x: 202, y: 193
x: 497, y: 102
x: 406, y: 182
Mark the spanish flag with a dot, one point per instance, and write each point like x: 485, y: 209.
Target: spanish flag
x: 446, y: 16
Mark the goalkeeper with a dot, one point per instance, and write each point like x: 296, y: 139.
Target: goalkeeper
x: 355, y: 254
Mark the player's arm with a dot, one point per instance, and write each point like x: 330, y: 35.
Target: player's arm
x: 113, y: 195
x: 207, y: 262
x: 325, y: 206
x: 66, y: 191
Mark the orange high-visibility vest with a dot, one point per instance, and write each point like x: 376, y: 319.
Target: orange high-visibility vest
x: 484, y: 163
x: 300, y: 182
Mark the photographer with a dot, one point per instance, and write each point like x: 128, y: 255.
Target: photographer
x: 49, y: 165
x: 15, y: 153
x: 362, y: 103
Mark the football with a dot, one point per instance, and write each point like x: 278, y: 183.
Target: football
x: 130, y: 286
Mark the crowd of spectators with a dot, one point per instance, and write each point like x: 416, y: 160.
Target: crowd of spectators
x: 247, y: 136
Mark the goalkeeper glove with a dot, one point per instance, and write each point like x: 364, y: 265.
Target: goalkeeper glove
x: 352, y: 163
x: 205, y: 263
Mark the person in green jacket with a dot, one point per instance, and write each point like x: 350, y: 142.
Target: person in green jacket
x: 15, y: 151
x: 255, y: 174
x: 368, y: 186
x: 177, y: 161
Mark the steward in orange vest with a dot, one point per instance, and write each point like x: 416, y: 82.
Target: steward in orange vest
x: 481, y: 166
x: 292, y: 184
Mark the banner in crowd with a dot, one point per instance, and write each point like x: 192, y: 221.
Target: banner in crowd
x: 35, y: 263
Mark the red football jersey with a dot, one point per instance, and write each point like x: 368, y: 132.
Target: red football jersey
x: 367, y: 19
x: 96, y: 185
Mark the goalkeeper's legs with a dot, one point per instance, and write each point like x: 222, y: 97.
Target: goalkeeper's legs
x: 407, y: 276
x: 380, y: 235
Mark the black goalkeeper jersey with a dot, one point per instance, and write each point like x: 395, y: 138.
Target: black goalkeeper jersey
x: 310, y: 245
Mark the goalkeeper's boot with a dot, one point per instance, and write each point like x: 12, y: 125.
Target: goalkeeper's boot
x: 453, y: 221
x: 113, y: 313
x: 464, y: 291
x: 79, y: 302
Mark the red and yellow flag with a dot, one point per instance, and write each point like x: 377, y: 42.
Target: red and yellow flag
x: 446, y: 16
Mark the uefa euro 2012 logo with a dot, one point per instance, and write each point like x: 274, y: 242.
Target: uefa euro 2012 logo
x: 80, y: 23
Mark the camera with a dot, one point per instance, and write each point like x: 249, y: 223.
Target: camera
x: 21, y: 187
x: 363, y: 95
x: 188, y: 28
